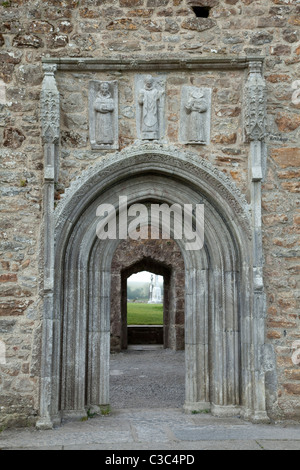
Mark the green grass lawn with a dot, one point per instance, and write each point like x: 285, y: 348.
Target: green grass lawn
x: 144, y: 314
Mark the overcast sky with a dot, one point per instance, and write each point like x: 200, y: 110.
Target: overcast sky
x: 143, y: 276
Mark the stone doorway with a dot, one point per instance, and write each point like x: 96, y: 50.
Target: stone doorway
x: 146, y: 315
x: 162, y: 257
x: 222, y: 296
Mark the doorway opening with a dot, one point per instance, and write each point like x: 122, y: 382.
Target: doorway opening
x: 139, y: 332
x: 147, y: 361
x: 145, y: 309
x: 160, y: 258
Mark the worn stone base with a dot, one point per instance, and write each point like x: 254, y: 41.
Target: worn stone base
x: 43, y: 424
x: 225, y: 411
x: 260, y: 417
x: 191, y: 407
x: 256, y: 416
x: 74, y: 414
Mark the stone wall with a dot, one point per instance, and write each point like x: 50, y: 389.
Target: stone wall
x: 32, y: 30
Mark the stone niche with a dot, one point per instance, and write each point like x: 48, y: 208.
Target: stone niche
x: 103, y: 114
x: 195, y: 115
x: 150, y: 107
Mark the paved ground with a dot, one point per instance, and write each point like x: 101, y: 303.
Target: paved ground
x: 152, y: 418
x: 147, y: 378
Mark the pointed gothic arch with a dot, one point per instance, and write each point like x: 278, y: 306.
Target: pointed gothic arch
x: 221, y: 331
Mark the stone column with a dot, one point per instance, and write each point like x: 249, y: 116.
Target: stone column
x: 50, y: 121
x: 255, y: 128
x: 196, y: 341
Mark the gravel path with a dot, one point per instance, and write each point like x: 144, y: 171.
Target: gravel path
x: 147, y: 379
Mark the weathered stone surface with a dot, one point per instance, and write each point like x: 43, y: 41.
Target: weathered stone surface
x: 11, y: 57
x: 73, y: 139
x: 40, y: 27
x: 292, y: 374
x: 292, y: 389
x: 277, y: 78
x: 261, y: 38
x: 88, y: 13
x: 141, y: 12
x: 225, y: 139
x: 64, y: 26
x: 57, y: 40
x: 130, y: 3
x: 13, y: 308
x: 157, y: 3
x: 280, y: 50
x: 30, y: 75
x: 152, y: 26
x: 149, y: 30
x: 27, y: 40
x: 198, y: 24
x: 8, y: 278
x: 171, y: 26
x: 203, y: 3
x: 287, y: 122
x: 293, y: 187
x: 84, y: 41
x: 286, y: 157
x: 121, y: 46
x: 123, y: 23
x: 13, y: 138
x: 290, y: 35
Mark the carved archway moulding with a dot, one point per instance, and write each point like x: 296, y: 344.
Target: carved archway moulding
x: 224, y: 298
x: 219, y: 281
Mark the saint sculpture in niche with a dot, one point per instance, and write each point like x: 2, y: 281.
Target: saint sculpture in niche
x: 149, y: 99
x: 196, y: 107
x: 195, y: 115
x: 104, y: 108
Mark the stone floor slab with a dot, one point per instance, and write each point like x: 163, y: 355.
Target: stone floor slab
x: 226, y: 433
x: 279, y: 445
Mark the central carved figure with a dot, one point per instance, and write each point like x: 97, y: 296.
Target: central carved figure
x: 104, y: 107
x: 149, y: 98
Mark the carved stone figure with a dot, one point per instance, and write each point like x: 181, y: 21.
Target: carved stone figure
x: 103, y: 115
x: 195, y: 115
x: 196, y: 108
x: 104, y: 107
x: 150, y: 117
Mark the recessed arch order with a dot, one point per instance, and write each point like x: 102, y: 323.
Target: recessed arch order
x: 222, y: 372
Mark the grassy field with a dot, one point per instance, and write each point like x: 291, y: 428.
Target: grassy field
x: 144, y: 314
